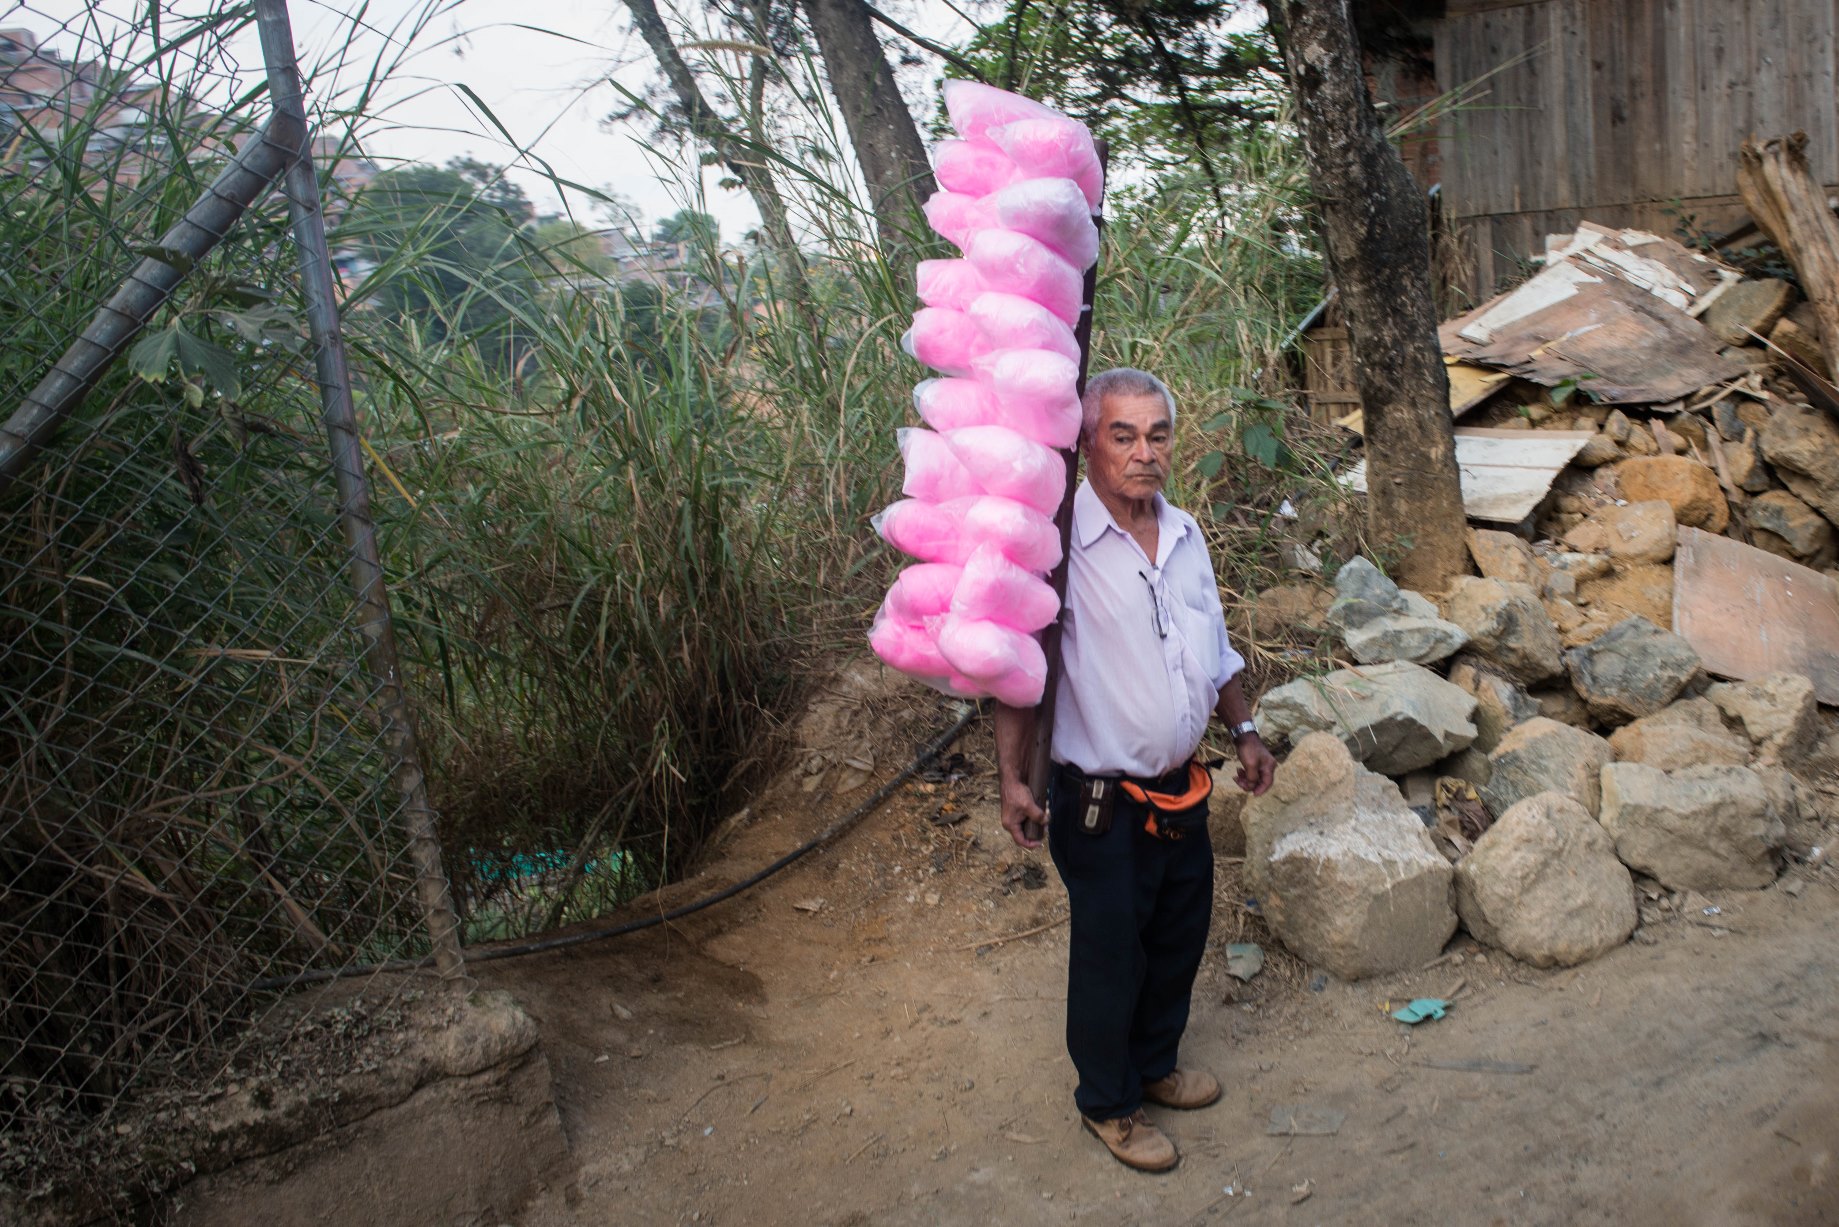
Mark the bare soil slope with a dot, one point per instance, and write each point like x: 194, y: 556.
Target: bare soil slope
x: 844, y: 1046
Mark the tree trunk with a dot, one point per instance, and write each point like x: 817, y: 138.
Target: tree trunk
x: 1790, y: 206
x: 887, y: 144
x: 1376, y: 230
x: 743, y: 162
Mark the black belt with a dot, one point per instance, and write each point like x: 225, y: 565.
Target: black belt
x: 1173, y: 781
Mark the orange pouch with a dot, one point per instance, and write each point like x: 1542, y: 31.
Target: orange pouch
x: 1161, y: 808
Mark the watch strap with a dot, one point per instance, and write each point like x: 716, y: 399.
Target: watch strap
x: 1240, y: 730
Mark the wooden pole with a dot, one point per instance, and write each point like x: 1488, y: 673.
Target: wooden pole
x: 1041, y: 765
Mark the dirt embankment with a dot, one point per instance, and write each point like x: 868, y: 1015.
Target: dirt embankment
x: 847, y: 1045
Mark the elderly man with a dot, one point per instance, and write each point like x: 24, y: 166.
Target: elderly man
x: 1146, y: 659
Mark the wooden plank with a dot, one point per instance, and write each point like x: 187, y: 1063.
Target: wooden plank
x: 1505, y: 473
x: 1469, y: 386
x: 1748, y: 613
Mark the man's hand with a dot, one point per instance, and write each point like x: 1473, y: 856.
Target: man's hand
x: 1256, y: 766
x: 1019, y: 808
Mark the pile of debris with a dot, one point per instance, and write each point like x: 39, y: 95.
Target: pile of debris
x: 1625, y: 702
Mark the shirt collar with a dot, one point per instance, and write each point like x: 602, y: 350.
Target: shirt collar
x: 1091, y: 518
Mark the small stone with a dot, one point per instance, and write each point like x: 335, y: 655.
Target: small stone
x: 1506, y: 625
x: 1402, y: 637
x: 1724, y: 417
x: 1300, y: 558
x: 1798, y: 332
x: 1703, y: 828
x: 1362, y: 593
x: 1543, y: 755
x: 1806, y: 533
x: 1618, y: 427
x: 1290, y: 608
x: 1504, y: 556
x: 1543, y: 883
x: 1598, y: 451
x: 1500, y: 704
x: 1803, y: 447
x: 1692, y: 428
x: 1562, y: 704
x: 1637, y: 532
x: 1631, y: 670
x: 1559, y: 586
x: 1642, y: 443
x: 1687, y: 486
x: 1743, y: 460
x: 1583, y: 567
x: 1751, y: 306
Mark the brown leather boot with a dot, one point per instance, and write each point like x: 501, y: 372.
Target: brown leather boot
x: 1183, y: 1088
x: 1135, y: 1142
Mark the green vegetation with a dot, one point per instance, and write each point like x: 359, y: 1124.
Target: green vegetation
x: 623, y: 526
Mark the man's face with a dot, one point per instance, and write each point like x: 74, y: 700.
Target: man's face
x: 1128, y: 453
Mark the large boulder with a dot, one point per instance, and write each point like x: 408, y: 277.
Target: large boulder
x: 1687, y: 486
x: 1778, y: 713
x: 1499, y: 703
x: 1395, y: 718
x: 1313, y: 784
x: 1632, y: 670
x: 1803, y: 446
x: 1543, y: 755
x: 1703, y: 828
x: 1507, y: 626
x: 1690, y: 733
x: 1225, y: 814
x: 1404, y: 637
x: 1543, y: 883
x: 1638, y: 532
x: 1351, y: 882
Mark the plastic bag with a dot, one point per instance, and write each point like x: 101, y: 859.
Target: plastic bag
x: 934, y: 472
x: 958, y: 216
x: 923, y: 591
x: 975, y: 108
x: 1035, y: 389
x: 1010, y: 321
x: 1013, y: 263
x: 1054, y: 211
x: 907, y: 647
x: 949, y: 283
x: 1005, y: 661
x: 1053, y: 147
x: 993, y: 589
x: 945, y: 339
x: 950, y: 532
x: 947, y: 404
x: 975, y: 170
x: 1003, y: 462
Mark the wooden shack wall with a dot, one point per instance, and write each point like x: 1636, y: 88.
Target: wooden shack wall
x: 1625, y: 112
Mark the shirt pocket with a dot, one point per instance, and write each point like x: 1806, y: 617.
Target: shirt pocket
x: 1198, y: 612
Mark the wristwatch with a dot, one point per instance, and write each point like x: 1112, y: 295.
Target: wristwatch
x: 1240, y: 730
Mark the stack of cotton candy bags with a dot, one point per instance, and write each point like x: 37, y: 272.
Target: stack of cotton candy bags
x: 1018, y: 190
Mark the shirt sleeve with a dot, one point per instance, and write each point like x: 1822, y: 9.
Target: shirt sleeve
x: 1231, y: 663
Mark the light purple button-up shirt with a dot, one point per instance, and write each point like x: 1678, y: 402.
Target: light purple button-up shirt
x: 1145, y: 650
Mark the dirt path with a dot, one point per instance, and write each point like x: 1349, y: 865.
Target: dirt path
x: 859, y: 1060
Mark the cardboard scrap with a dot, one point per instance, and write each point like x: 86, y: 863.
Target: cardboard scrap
x: 1748, y: 613
x: 1505, y: 473
x: 1612, y: 312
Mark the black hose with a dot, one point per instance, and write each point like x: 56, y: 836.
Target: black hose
x: 927, y: 753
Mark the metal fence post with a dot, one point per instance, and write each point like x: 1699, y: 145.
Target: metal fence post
x: 340, y: 417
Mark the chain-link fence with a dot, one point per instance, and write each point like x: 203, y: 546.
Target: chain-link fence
x: 209, y: 785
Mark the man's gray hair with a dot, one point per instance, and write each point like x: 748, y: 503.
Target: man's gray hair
x: 1120, y: 381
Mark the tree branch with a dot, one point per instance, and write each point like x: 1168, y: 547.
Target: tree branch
x: 925, y: 44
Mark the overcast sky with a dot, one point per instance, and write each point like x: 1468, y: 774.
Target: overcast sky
x: 541, y: 66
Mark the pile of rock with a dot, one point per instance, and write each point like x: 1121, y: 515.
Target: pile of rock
x: 1552, y: 770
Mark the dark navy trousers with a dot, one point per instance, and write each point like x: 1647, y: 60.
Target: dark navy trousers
x: 1140, y: 907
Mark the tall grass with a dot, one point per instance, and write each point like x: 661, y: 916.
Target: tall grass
x: 616, y: 566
